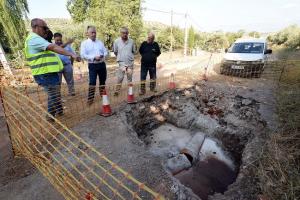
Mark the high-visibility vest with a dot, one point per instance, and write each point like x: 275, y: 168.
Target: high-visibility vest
x: 44, y: 62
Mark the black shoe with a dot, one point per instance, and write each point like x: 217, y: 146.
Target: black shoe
x: 90, y: 102
x: 50, y: 119
x: 60, y: 114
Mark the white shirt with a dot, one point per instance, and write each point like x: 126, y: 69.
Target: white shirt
x: 89, y: 49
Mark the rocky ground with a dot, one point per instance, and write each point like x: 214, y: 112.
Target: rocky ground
x: 231, y: 119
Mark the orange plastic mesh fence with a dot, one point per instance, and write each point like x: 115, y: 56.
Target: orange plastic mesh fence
x: 73, y: 166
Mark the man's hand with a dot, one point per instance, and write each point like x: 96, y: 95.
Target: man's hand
x: 76, y: 57
x: 98, y: 58
x: 70, y: 41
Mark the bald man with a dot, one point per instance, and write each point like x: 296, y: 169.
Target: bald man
x: 45, y: 64
x: 149, y: 51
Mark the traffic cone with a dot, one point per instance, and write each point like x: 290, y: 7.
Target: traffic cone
x: 130, y: 96
x: 172, y: 82
x: 106, y: 110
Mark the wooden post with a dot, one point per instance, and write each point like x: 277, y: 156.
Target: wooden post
x: 171, y: 35
x: 185, y: 36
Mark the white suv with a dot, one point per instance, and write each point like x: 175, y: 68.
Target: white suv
x: 245, y: 58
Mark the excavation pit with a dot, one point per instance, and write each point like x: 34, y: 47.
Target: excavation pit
x: 167, y: 123
x: 212, y: 171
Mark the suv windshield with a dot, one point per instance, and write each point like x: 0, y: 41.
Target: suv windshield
x: 246, y: 47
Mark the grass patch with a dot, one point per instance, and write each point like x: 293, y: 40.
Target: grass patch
x: 279, y: 167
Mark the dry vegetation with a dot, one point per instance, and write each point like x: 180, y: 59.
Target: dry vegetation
x: 279, y: 169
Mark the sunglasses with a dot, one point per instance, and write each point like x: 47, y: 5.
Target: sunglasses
x: 124, y: 32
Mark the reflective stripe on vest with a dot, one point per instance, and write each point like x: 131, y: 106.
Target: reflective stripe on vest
x: 41, y: 56
x: 43, y: 62
x: 44, y: 65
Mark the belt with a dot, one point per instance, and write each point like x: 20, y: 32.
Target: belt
x: 96, y: 62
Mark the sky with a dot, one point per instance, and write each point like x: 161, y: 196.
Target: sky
x: 204, y: 15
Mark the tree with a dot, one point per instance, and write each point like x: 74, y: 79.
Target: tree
x: 254, y: 34
x: 232, y: 37
x: 191, y: 39
x: 12, y: 13
x: 241, y: 33
x: 216, y: 42
x: 288, y: 37
x: 78, y: 9
x: 109, y: 16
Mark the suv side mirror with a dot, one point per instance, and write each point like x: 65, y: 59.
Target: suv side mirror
x: 226, y: 50
x: 268, y: 51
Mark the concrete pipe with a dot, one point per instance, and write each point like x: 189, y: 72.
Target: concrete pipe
x: 177, y: 164
x: 193, y: 147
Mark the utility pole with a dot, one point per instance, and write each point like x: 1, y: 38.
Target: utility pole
x: 171, y: 39
x: 185, y: 36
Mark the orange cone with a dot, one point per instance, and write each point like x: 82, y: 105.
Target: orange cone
x: 106, y: 110
x: 172, y: 84
x: 130, y: 96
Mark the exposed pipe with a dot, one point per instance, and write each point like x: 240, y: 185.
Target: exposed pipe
x: 193, y: 147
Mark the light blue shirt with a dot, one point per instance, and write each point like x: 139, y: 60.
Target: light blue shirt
x: 37, y: 44
x: 66, y: 59
x: 90, y: 49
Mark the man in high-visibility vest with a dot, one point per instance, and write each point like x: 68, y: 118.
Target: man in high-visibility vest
x: 45, y: 64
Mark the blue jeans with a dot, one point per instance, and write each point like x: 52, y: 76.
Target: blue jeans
x: 68, y: 75
x: 50, y: 82
x: 97, y: 69
x: 152, y: 73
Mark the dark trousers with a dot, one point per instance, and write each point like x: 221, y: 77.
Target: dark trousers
x: 151, y: 68
x: 51, y: 84
x: 98, y: 69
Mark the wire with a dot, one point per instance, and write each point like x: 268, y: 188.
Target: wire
x: 163, y: 11
x: 195, y: 22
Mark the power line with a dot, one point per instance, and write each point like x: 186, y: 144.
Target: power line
x: 195, y: 22
x: 163, y: 11
x: 175, y: 13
